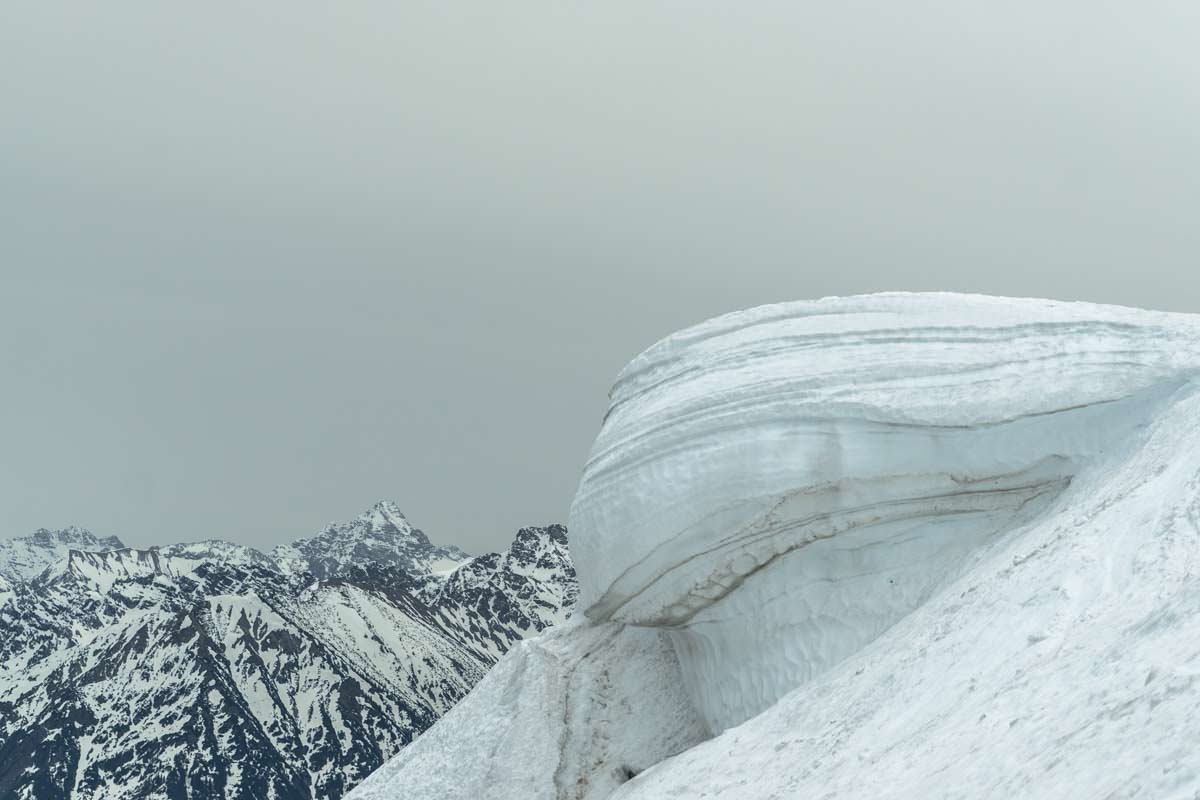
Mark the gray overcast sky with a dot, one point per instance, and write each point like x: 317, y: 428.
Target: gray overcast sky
x: 263, y: 264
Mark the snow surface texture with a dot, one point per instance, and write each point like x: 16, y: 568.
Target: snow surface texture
x: 902, y: 545
x: 585, y: 707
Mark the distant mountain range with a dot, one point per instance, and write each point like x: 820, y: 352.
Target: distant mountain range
x: 212, y: 670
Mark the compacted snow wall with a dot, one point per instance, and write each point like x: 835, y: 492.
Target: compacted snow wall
x: 779, y: 486
x: 892, y: 545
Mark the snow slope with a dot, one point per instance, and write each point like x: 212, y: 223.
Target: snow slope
x: 901, y: 546
x: 573, y: 713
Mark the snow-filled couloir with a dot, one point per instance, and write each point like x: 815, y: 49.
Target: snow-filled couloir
x: 796, y: 494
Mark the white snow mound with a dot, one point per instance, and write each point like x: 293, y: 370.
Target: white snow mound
x: 899, y: 545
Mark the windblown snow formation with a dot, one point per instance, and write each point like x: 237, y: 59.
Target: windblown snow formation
x: 833, y: 462
x: 857, y: 498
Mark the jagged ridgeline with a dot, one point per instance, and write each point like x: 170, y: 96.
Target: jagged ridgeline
x: 212, y: 670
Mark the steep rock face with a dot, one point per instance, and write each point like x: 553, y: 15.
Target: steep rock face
x: 209, y: 671
x: 901, y: 545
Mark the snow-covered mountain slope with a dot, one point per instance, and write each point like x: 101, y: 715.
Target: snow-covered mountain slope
x: 495, y: 600
x: 25, y: 556
x: 900, y: 545
x: 216, y: 550
x: 210, y: 671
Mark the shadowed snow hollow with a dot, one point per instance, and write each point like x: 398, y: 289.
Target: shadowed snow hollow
x: 786, y: 494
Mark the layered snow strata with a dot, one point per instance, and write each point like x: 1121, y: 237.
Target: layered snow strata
x: 777, y: 487
x: 1064, y: 664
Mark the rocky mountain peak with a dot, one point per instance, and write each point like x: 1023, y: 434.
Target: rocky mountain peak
x: 379, y: 535
x: 382, y: 521
x: 384, y: 513
x: 538, y: 537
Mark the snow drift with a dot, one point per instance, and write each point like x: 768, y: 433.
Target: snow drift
x: 899, y: 545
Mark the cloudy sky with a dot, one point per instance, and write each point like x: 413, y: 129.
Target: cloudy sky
x: 264, y: 264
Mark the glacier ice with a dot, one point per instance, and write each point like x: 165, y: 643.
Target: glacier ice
x: 860, y: 519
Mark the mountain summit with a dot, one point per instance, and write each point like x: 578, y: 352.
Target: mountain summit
x: 380, y: 535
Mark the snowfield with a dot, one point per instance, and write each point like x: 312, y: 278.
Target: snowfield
x: 888, y: 546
